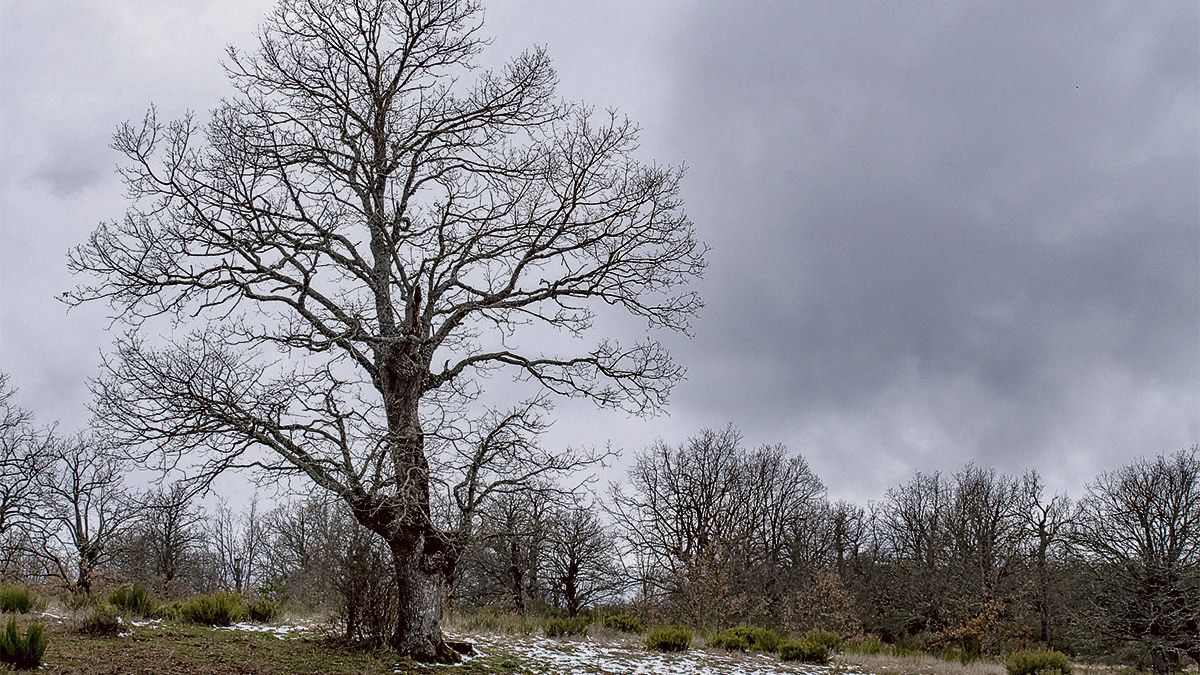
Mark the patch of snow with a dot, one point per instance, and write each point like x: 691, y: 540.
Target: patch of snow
x: 282, y: 632
x: 586, y: 656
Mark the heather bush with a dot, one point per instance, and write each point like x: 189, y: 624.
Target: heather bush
x: 669, y: 638
x: 747, y: 639
x: 555, y: 628
x: 262, y: 610
x: 22, y: 652
x: 830, y: 640
x: 135, y: 600
x: 804, y: 651
x: 214, y: 609
x: 100, y: 620
x: 167, y: 611
x: 80, y: 601
x: 866, y: 645
x: 623, y: 623
x: 16, y: 600
x: 491, y: 620
x: 1031, y: 662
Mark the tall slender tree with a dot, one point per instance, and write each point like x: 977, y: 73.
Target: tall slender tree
x: 365, y: 227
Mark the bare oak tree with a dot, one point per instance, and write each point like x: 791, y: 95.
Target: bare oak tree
x: 84, y: 509
x: 581, y: 559
x: 1138, y: 533
x: 722, y: 531
x: 1047, y: 520
x: 162, y: 546
x: 24, y: 457
x: 236, y: 542
x: 364, y: 232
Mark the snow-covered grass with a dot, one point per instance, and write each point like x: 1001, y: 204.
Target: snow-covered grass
x: 282, y: 631
x: 626, y: 657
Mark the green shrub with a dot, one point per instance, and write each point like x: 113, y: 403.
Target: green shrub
x: 1031, y: 662
x: 623, y: 623
x: 23, y: 652
x: 804, y: 651
x: 16, y: 600
x: 555, y: 628
x: 747, y: 639
x: 214, y: 609
x: 490, y: 620
x: 830, y: 640
x: 136, y: 600
x: 78, y: 601
x: 262, y: 610
x: 866, y: 645
x: 167, y: 611
x: 669, y: 638
x: 100, y: 620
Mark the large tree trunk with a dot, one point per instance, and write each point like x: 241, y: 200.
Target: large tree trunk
x: 83, y: 570
x: 571, y: 595
x: 420, y: 554
x: 1043, y: 600
x: 516, y: 576
x: 418, y: 632
x: 83, y: 584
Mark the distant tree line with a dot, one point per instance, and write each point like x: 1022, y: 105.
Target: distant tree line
x: 710, y: 532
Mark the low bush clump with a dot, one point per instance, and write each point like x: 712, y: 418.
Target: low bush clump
x: 214, y: 609
x: 623, y: 623
x: 669, y: 638
x: 77, y: 601
x: 100, y: 620
x: 804, y: 651
x: 167, y: 611
x: 1031, y: 662
x: 22, y: 652
x: 262, y: 610
x: 747, y: 639
x: 491, y: 620
x: 135, y: 600
x: 16, y: 599
x: 866, y: 645
x: 830, y: 640
x: 555, y: 628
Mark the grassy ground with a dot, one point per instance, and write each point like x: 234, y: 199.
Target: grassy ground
x: 927, y: 664
x: 180, y: 648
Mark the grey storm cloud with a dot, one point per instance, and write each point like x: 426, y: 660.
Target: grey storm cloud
x: 992, y: 203
x: 942, y: 232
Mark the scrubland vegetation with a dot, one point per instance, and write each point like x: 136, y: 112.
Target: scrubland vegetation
x: 708, y: 545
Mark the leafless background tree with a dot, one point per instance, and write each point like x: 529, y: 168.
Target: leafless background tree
x: 83, y: 509
x: 1138, y: 534
x: 711, y: 519
x: 24, y: 458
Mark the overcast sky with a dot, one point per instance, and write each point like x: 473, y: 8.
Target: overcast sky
x: 942, y: 232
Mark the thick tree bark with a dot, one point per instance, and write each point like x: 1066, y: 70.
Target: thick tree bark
x: 516, y: 577
x: 418, y: 632
x: 571, y: 592
x: 83, y: 584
